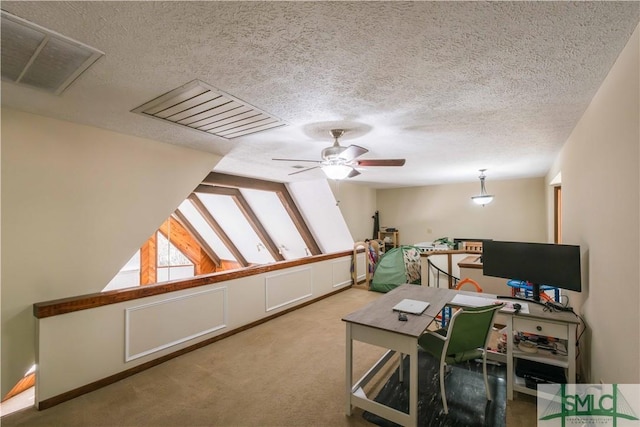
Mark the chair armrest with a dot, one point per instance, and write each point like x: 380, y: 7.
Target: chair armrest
x: 437, y: 335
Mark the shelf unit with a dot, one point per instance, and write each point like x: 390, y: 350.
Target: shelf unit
x: 393, y: 235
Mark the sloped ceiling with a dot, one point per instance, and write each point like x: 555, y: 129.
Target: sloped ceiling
x: 451, y: 86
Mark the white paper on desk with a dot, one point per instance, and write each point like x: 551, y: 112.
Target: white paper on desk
x: 471, y: 301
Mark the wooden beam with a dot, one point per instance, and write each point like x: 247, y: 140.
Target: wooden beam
x: 149, y: 261
x: 291, y: 208
x: 184, y: 241
x: 206, y: 264
x: 204, y: 246
x: 224, y: 180
x: 248, y: 213
x: 262, y: 233
x: 233, y: 181
x: 197, y: 203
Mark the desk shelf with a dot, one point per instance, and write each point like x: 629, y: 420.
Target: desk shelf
x: 520, y: 386
x: 543, y: 356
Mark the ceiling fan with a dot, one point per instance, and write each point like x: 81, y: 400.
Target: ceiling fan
x: 339, y: 162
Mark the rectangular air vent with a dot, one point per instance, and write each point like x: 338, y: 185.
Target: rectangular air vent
x: 199, y: 106
x: 40, y: 58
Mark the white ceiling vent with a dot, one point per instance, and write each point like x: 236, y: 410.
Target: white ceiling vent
x: 199, y: 106
x: 37, y: 57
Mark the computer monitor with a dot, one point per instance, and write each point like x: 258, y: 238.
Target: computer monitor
x: 536, y: 263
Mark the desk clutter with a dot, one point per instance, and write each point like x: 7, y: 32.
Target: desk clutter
x: 530, y: 343
x: 462, y: 300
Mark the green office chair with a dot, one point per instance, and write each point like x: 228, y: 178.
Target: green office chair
x: 464, y: 339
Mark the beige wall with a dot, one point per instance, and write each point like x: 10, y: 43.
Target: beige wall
x: 600, y: 166
x: 76, y: 204
x: 423, y: 214
x: 358, y: 204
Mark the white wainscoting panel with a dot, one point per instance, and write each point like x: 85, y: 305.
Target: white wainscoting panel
x: 341, y: 272
x: 159, y: 325
x: 286, y: 288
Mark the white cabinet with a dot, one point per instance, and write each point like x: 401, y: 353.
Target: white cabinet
x: 558, y: 325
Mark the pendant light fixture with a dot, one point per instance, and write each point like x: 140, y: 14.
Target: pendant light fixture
x: 483, y: 198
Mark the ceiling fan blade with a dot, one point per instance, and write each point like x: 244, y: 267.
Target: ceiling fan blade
x: 298, y: 160
x: 304, y: 170
x: 381, y: 162
x: 353, y: 173
x: 351, y: 152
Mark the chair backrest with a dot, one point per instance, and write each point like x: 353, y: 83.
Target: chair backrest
x: 469, y: 328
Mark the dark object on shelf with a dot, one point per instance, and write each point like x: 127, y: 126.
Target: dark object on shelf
x: 535, y: 373
x: 376, y: 224
x: 391, y: 229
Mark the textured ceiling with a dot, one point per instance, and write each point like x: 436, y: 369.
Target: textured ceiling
x: 453, y: 87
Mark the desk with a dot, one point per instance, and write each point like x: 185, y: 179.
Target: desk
x: 378, y: 324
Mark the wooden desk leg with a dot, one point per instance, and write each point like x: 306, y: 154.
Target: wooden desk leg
x: 349, y: 369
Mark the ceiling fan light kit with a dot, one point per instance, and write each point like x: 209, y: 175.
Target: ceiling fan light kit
x: 337, y: 171
x: 483, y: 198
x: 340, y: 162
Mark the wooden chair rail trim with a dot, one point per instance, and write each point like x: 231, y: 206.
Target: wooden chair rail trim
x: 98, y: 299
x: 71, y: 394
x: 471, y: 262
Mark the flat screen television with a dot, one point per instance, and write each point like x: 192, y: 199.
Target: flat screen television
x: 536, y: 263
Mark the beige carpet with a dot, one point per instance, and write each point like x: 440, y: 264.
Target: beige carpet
x: 286, y: 372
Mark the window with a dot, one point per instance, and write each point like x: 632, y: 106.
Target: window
x: 228, y: 222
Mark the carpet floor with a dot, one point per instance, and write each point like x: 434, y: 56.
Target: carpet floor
x: 466, y: 396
